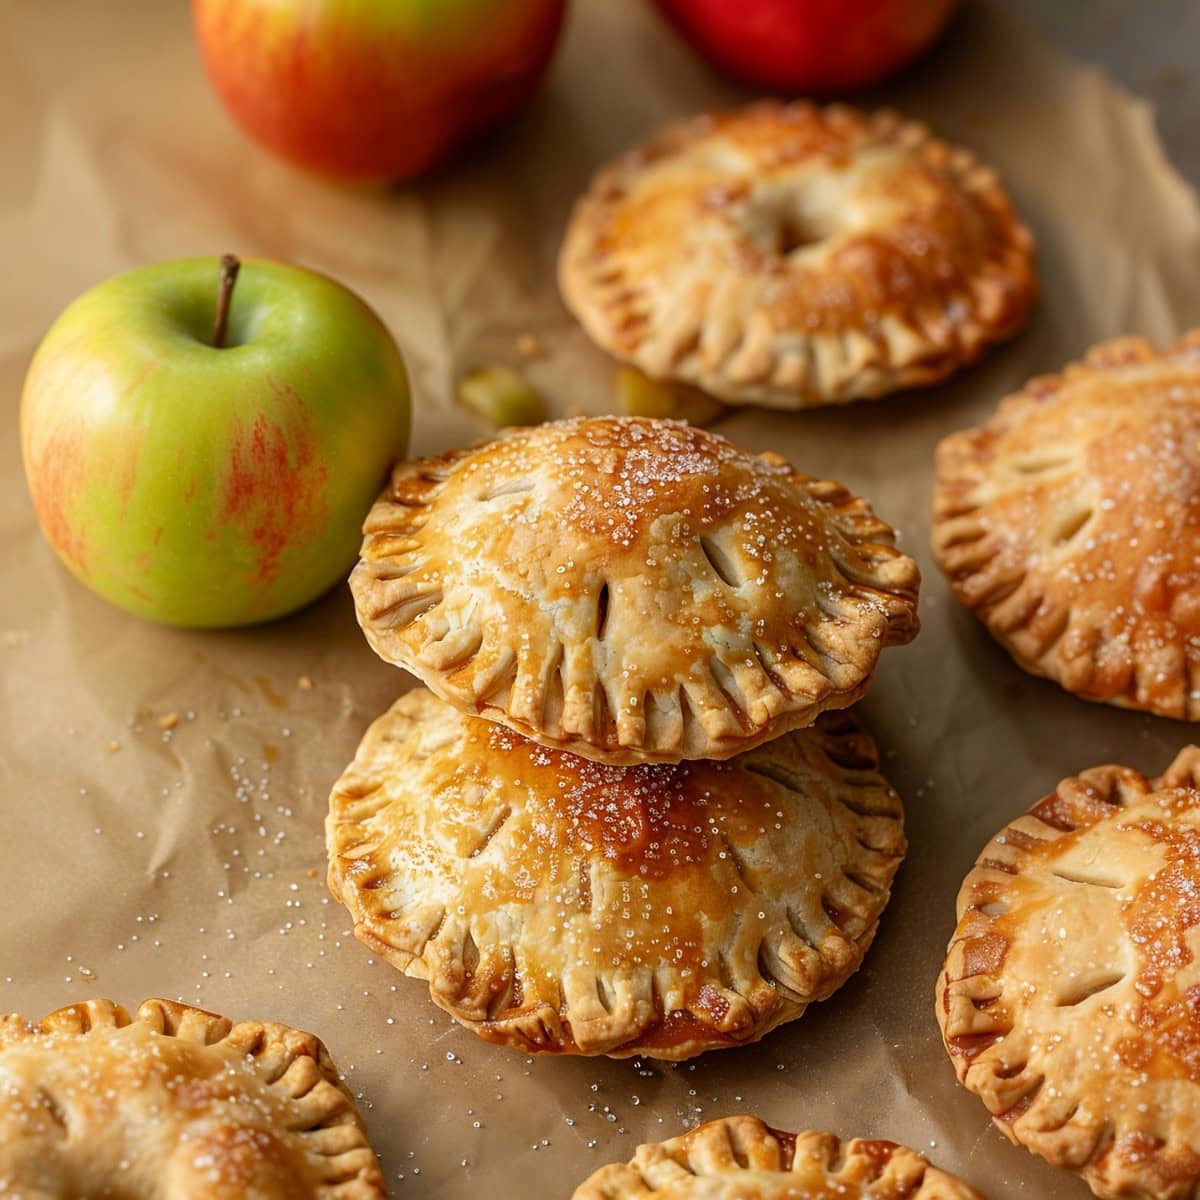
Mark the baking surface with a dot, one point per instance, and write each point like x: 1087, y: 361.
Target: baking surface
x: 1149, y: 57
x: 189, y: 862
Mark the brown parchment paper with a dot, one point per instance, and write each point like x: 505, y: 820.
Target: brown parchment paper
x: 190, y: 863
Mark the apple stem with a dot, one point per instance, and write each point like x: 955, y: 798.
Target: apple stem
x: 230, y: 265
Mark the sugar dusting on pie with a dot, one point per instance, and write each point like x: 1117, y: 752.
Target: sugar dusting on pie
x: 1070, y: 523
x: 1070, y: 998
x: 175, y: 1102
x: 557, y: 904
x: 631, y: 589
x: 741, y: 1158
x: 789, y: 255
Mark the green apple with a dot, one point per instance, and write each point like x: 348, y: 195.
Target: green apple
x: 202, y: 446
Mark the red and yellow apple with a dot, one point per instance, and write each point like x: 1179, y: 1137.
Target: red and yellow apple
x: 819, y: 46
x: 371, y: 92
x: 206, y: 478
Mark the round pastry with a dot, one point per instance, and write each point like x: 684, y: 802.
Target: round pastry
x: 630, y: 589
x: 177, y: 1102
x: 1070, y: 998
x: 559, y: 905
x: 791, y: 256
x: 740, y: 1158
x: 1070, y: 523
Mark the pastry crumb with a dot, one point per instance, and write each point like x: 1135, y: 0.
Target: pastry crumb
x: 530, y: 345
x: 305, y: 683
x: 168, y: 720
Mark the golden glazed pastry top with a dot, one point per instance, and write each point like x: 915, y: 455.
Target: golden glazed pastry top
x: 631, y: 589
x: 790, y: 255
x: 1070, y: 523
x: 174, y: 1102
x: 559, y: 905
x: 1070, y: 999
x: 740, y: 1158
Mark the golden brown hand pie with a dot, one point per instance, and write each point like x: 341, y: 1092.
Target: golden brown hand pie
x: 560, y: 905
x: 1070, y: 523
x: 174, y: 1103
x: 740, y: 1158
x: 1070, y: 999
x: 631, y: 589
x: 791, y: 256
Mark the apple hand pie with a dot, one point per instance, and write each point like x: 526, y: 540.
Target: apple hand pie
x: 790, y: 256
x: 1070, y: 523
x: 559, y: 905
x: 1070, y: 998
x: 630, y: 589
x: 174, y: 1102
x: 740, y: 1158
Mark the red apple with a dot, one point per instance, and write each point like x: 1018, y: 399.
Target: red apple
x: 373, y: 92
x: 809, y: 45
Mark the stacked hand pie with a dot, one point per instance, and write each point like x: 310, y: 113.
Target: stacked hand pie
x: 627, y: 815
